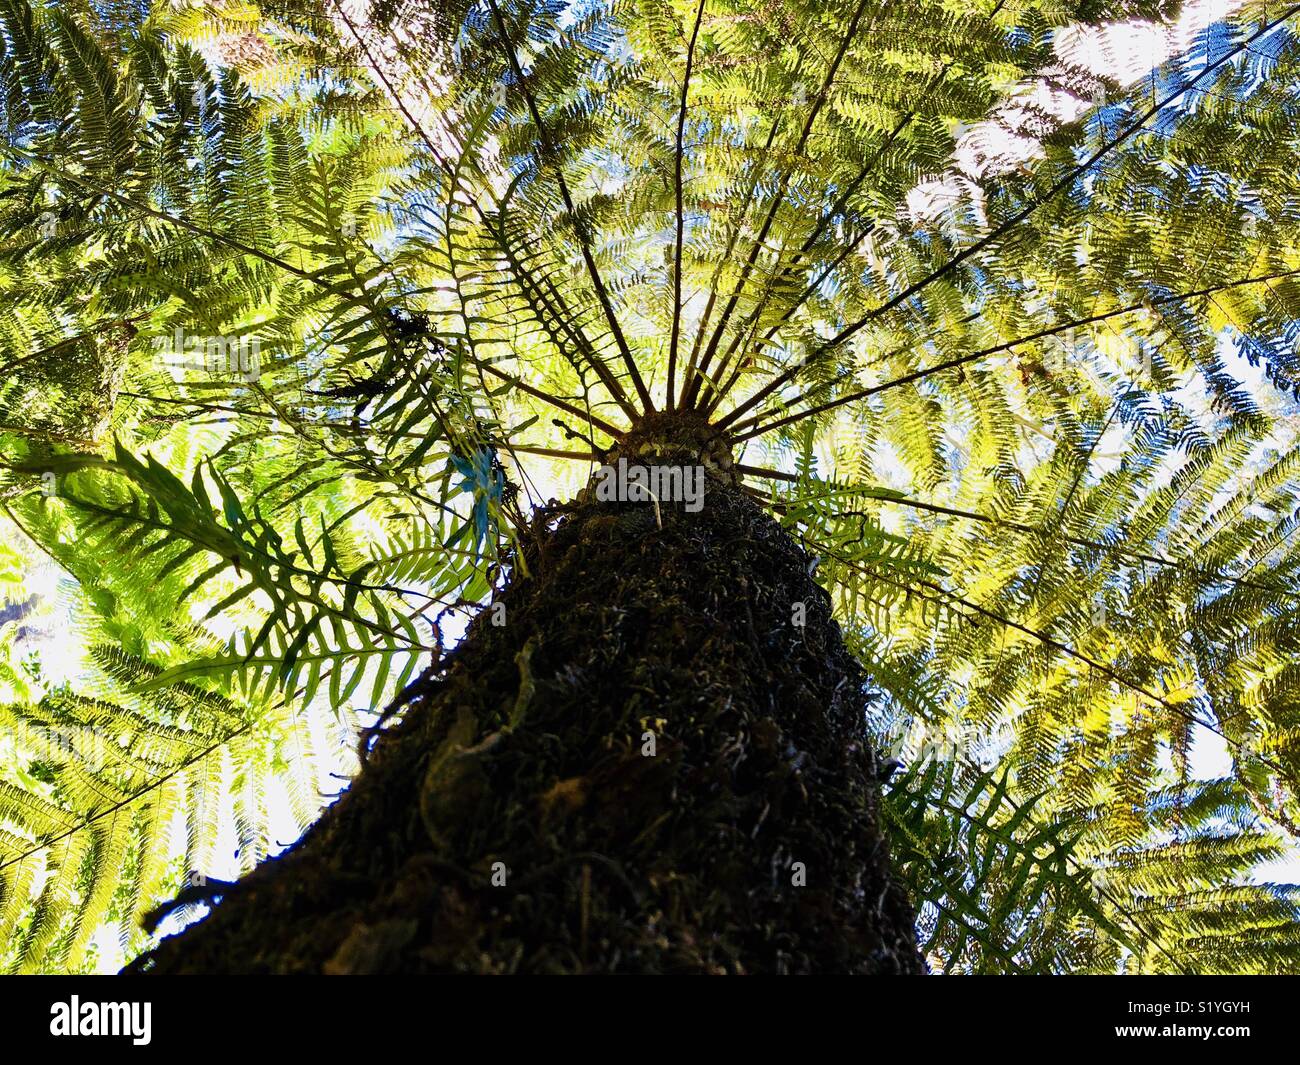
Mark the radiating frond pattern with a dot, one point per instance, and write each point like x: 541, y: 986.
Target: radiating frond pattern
x: 308, y: 305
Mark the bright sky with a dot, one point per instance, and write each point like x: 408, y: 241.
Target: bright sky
x: 1125, y: 52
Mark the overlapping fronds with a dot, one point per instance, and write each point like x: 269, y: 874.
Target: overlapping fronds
x: 121, y: 801
x: 307, y: 304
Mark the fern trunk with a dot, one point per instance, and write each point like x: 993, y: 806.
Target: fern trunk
x: 647, y: 766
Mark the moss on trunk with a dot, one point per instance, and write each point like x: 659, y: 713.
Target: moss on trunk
x: 649, y: 767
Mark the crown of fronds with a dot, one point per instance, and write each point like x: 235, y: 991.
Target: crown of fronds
x: 306, y: 307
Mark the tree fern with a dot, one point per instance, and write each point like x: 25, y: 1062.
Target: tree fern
x: 1034, y: 421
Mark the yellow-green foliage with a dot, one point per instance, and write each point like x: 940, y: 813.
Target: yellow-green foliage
x: 1041, y: 436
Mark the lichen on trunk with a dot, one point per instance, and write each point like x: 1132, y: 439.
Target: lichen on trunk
x: 652, y: 759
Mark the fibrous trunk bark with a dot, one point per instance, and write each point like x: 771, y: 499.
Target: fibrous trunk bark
x: 653, y: 759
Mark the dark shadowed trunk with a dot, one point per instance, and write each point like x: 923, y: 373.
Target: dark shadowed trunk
x: 650, y: 766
